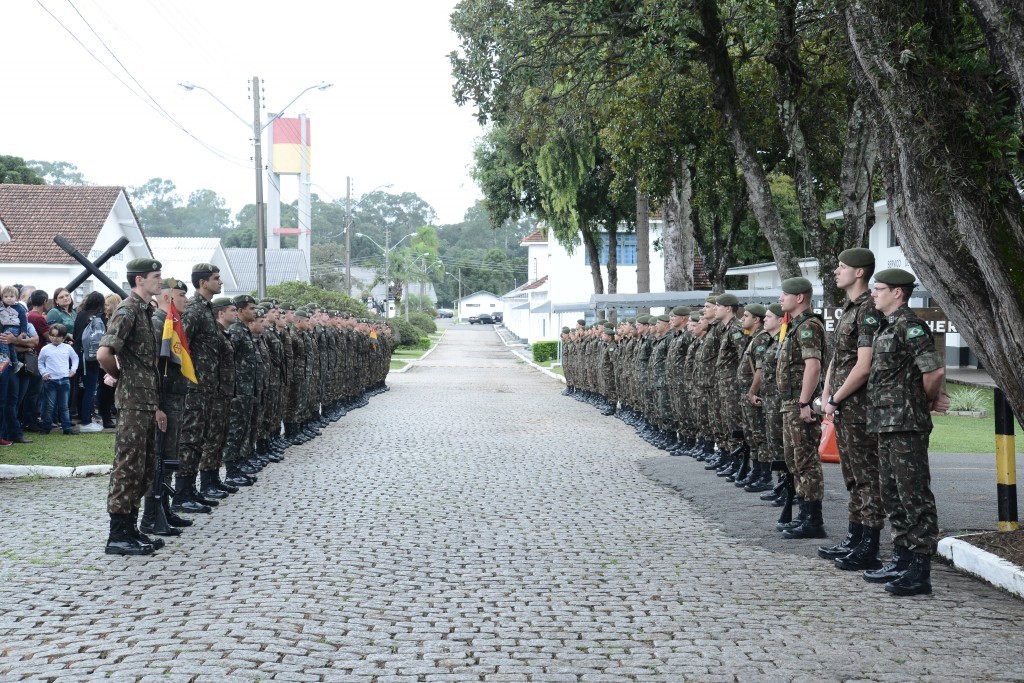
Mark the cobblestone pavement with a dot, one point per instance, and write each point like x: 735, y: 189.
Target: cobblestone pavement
x: 469, y: 525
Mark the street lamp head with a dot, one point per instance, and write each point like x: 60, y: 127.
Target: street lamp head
x: 324, y: 86
x: 359, y: 234
x: 187, y: 86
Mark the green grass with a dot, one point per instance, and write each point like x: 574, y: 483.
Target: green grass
x: 398, y: 364
x: 953, y: 434
x: 59, y: 450
x: 408, y: 354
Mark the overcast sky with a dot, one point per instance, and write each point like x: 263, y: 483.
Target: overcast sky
x: 389, y: 118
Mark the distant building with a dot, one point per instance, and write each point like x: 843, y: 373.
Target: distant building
x: 91, y: 218
x: 283, y: 265
x: 476, y: 303
x: 179, y: 254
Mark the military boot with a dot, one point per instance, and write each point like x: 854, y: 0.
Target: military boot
x: 813, y: 525
x: 892, y: 570
x: 222, y: 485
x: 133, y: 527
x: 198, y: 496
x: 786, y: 520
x: 235, y: 477
x: 854, y: 535
x: 753, y: 473
x: 916, y: 580
x: 864, y: 555
x: 121, y: 540
x: 763, y: 482
x: 742, y: 468
x: 208, y: 486
x: 154, y: 520
x: 165, y: 500
x: 184, y: 500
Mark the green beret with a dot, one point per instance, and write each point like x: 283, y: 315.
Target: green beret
x: 243, y: 300
x: 287, y: 306
x: 857, y: 257
x: 897, y: 277
x: 602, y: 322
x: 175, y: 283
x: 727, y: 300
x: 260, y: 312
x: 221, y: 302
x: 643, y: 320
x: 267, y: 303
x: 695, y: 317
x: 663, y: 318
x: 681, y: 311
x: 143, y: 265
x: 776, y: 308
x: 711, y: 300
x: 796, y: 285
x: 608, y: 329
x: 631, y: 321
x: 312, y: 306
x: 301, y: 313
x: 581, y: 321
x: 205, y: 268
x: 756, y: 310
x: 565, y: 330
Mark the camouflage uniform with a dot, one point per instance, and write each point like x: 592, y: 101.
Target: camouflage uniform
x: 218, y: 409
x: 753, y: 416
x: 661, y: 403
x: 137, y: 397
x: 704, y: 373
x: 858, y: 448
x: 203, y: 336
x: 173, y: 389
x: 242, y: 348
x: 903, y: 351
x: 606, y: 374
x: 805, y: 339
x: 678, y: 345
x: 771, y: 450
x: 732, y: 344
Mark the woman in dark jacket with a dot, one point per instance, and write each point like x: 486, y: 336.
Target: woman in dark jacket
x: 89, y: 371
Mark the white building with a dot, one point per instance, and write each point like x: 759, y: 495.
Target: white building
x: 475, y: 304
x: 90, y: 218
x: 177, y: 255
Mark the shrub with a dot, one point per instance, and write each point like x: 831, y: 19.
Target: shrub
x: 967, y: 399
x: 543, y: 351
x: 423, y: 321
x: 409, y: 334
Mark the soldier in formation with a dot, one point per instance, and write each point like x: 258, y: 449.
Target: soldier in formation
x: 250, y: 379
x: 738, y: 387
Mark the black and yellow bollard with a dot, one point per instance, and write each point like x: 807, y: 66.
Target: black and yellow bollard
x: 1006, y: 464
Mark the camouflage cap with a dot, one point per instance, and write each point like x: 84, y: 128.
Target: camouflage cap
x: 143, y: 265
x: 776, y: 309
x: 896, y: 277
x: 175, y: 283
x: 796, y: 285
x: 727, y: 300
x: 221, y: 302
x: 681, y: 311
x: 756, y: 310
x: 242, y: 300
x: 201, y: 268
x: 857, y: 257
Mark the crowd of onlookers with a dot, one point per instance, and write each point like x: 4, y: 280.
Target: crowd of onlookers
x: 49, y: 376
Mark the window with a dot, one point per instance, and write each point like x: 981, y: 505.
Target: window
x: 893, y: 241
x: 625, y: 249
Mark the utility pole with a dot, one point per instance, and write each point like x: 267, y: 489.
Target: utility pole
x: 387, y: 271
x: 261, y: 228
x: 348, y: 235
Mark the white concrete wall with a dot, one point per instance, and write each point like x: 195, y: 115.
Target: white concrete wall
x: 478, y: 303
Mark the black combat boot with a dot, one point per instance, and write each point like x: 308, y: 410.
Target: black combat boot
x: 222, y: 485
x: 154, y: 519
x: 198, y: 496
x: 753, y: 473
x: 854, y: 535
x: 122, y: 540
x: 235, y: 477
x: 184, y: 498
x: 713, y: 459
x: 208, y: 486
x: 786, y: 520
x: 864, y: 555
x: 763, y: 482
x: 165, y: 500
x: 742, y: 469
x: 778, y: 490
x: 892, y: 570
x: 916, y: 580
x: 133, y: 527
x: 813, y: 525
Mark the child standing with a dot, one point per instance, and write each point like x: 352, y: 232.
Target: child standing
x: 58, y: 363
x: 13, y: 319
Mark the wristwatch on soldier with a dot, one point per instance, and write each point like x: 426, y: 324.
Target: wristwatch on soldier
x: 803, y: 405
x: 832, y: 400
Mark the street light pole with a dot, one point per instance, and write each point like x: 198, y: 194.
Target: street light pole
x: 261, y: 237
x: 348, y: 235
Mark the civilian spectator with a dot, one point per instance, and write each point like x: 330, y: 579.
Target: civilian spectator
x: 86, y: 342
x: 33, y: 384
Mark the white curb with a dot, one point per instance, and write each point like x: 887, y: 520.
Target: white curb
x: 48, y: 472
x: 973, y: 560
x: 547, y: 372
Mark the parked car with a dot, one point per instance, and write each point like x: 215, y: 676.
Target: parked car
x: 481, y: 318
x: 445, y: 313
x: 498, y: 317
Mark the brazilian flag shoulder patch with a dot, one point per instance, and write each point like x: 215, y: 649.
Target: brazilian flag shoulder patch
x: 760, y: 349
x: 806, y: 334
x: 915, y: 331
x: 870, y: 320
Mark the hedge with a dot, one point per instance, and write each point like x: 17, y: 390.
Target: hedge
x: 423, y: 321
x: 543, y: 351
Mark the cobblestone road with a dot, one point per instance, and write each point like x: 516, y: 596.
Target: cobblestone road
x: 469, y: 525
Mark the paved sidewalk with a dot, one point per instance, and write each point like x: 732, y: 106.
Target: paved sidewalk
x: 469, y: 525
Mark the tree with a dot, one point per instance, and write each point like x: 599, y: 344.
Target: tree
x: 58, y: 172
x: 301, y: 293
x: 949, y: 139
x: 15, y: 171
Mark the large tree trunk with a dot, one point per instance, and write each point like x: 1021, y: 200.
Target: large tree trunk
x: 785, y: 57
x: 590, y: 244
x: 952, y: 202
x: 1003, y: 24
x: 677, y: 236
x: 613, y: 258
x: 643, y: 246
x: 858, y: 169
x: 727, y: 102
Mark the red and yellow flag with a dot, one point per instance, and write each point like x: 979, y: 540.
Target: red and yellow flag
x: 174, y: 347
x: 784, y: 328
